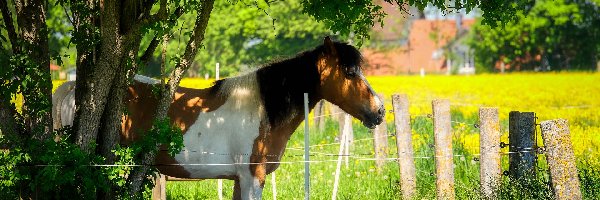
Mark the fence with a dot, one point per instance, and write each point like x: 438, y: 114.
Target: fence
x: 522, y: 150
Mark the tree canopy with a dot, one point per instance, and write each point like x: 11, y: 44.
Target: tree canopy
x: 245, y: 34
x: 561, y: 34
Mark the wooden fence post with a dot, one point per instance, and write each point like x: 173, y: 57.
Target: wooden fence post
x: 342, y: 122
x: 406, y: 161
x: 489, y: 147
x: 444, y: 160
x: 319, y: 118
x: 380, y: 143
x: 159, y: 192
x: 521, y: 141
x: 561, y: 159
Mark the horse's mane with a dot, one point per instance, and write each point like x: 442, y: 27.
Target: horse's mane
x: 281, y: 83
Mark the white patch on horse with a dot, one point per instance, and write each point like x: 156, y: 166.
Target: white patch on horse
x: 67, y: 114
x: 227, y: 134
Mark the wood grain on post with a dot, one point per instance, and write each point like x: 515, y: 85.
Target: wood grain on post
x: 380, y: 143
x: 561, y: 159
x: 520, y: 136
x: 159, y: 192
x: 319, y: 116
x: 489, y: 146
x: 406, y: 161
x: 342, y: 122
x: 444, y: 162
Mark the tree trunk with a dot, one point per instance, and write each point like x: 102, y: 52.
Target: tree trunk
x: 37, y: 101
x: 100, y: 79
x: 137, y: 176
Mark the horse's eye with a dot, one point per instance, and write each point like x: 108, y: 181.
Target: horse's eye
x: 351, y: 72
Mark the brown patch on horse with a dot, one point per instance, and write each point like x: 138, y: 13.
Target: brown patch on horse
x: 187, y: 105
x: 269, y: 146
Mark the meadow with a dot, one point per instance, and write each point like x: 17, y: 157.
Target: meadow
x: 573, y: 96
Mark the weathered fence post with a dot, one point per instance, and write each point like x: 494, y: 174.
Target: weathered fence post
x: 342, y: 122
x: 561, y: 159
x: 159, y: 192
x: 406, y: 161
x: 444, y: 163
x: 380, y: 143
x: 319, y: 119
x: 489, y: 147
x: 521, y: 140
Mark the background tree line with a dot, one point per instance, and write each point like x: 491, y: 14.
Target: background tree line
x: 548, y: 35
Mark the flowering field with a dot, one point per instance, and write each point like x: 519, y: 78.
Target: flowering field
x: 573, y: 96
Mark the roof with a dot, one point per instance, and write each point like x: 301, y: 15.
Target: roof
x: 54, y: 67
x: 423, y: 49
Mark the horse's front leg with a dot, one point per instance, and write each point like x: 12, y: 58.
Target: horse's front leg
x: 250, y: 183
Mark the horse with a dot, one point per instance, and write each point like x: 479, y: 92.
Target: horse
x: 239, y: 127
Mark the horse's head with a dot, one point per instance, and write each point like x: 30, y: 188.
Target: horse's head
x: 343, y: 83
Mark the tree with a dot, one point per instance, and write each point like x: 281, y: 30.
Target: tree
x: 108, y: 36
x: 553, y: 35
x: 244, y: 35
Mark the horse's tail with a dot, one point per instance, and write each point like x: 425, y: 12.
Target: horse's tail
x: 63, y: 105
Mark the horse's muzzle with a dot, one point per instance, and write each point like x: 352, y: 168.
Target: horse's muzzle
x: 375, y: 119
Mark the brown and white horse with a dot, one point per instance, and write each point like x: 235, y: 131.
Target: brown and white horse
x: 238, y: 127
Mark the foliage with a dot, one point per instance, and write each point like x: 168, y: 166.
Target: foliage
x: 242, y: 33
x: 553, y: 35
x: 354, y: 17
x: 162, y: 132
x: 58, y: 169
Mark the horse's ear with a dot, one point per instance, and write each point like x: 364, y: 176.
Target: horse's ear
x: 329, y: 46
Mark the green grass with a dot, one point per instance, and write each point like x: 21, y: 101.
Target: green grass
x: 360, y: 180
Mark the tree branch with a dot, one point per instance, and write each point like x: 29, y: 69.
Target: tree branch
x: 10, y: 28
x: 136, y: 177
x: 155, y: 41
x: 149, y: 51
